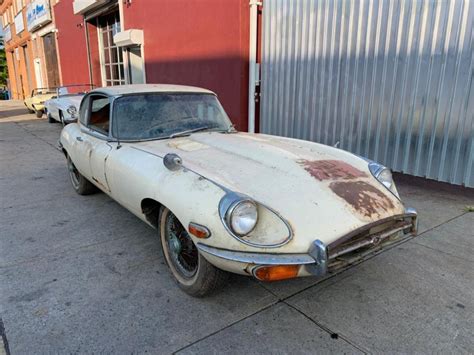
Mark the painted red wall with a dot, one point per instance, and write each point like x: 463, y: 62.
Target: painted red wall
x: 71, y: 44
x: 96, y: 76
x: 197, y: 42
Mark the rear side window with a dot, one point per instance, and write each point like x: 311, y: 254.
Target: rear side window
x: 84, y: 111
x: 99, y: 116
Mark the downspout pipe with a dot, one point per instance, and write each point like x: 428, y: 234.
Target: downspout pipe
x: 252, y: 63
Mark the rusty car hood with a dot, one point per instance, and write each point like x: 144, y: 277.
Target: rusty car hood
x: 323, y: 192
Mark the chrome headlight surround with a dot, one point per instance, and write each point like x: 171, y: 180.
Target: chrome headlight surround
x: 72, y: 110
x: 230, y: 203
x: 384, y: 176
x: 229, y: 208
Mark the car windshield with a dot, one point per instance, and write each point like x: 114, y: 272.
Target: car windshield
x: 164, y: 115
x: 43, y: 91
x: 74, y: 89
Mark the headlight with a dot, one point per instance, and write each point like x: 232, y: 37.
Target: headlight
x: 252, y: 223
x: 72, y: 111
x: 384, y: 175
x: 242, y: 217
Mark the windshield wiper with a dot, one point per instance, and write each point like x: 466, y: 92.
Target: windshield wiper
x: 187, y: 132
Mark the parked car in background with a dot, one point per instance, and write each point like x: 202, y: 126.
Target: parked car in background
x: 35, y: 103
x: 4, y: 95
x: 269, y: 207
x: 64, y: 106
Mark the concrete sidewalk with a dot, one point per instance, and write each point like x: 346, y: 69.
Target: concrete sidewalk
x: 81, y: 274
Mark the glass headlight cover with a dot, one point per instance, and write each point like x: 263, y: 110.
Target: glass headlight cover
x: 252, y: 223
x: 384, y: 176
x: 242, y: 217
x: 72, y: 111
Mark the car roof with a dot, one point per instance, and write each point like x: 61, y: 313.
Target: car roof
x: 148, y: 88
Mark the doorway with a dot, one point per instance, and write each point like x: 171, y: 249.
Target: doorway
x: 51, y: 60
x: 136, y: 72
x: 26, y: 57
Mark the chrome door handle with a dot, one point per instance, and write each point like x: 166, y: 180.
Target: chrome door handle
x: 79, y: 139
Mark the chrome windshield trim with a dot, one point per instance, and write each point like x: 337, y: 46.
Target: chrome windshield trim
x: 257, y: 258
x: 138, y: 140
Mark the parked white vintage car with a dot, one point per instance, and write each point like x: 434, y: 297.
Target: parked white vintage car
x: 270, y: 207
x: 64, y: 106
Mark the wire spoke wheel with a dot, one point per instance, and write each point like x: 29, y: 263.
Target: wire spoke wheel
x: 182, y: 251
x: 73, y: 173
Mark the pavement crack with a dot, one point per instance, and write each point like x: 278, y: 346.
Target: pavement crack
x: 226, y: 327
x: 334, y: 335
x: 442, y: 252
x: 36, y: 136
x: 3, y: 338
x: 442, y: 223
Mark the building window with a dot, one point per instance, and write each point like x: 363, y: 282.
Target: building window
x: 19, y: 5
x: 111, y: 56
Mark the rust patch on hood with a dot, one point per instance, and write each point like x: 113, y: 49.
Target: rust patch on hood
x: 331, y: 170
x: 363, y: 197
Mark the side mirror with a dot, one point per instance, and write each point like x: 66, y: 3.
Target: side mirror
x: 172, y: 161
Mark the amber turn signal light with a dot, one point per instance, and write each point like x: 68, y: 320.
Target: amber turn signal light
x: 199, y: 231
x: 275, y: 273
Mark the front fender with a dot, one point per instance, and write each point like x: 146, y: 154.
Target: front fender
x: 134, y: 175
x: 68, y: 136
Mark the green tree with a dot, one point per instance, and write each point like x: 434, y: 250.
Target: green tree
x: 3, y: 65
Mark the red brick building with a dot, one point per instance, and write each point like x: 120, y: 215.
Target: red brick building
x: 30, y: 44
x: 18, y: 48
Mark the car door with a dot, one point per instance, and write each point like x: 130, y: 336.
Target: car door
x: 98, y: 132
x: 82, y: 142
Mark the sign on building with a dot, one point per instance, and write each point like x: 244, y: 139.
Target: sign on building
x: 38, y: 13
x: 19, y: 24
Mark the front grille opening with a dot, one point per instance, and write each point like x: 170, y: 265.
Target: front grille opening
x: 369, y: 241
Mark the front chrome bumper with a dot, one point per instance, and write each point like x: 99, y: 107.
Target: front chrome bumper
x: 322, y: 259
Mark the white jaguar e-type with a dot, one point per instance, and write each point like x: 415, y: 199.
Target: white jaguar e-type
x: 63, y: 106
x: 221, y: 200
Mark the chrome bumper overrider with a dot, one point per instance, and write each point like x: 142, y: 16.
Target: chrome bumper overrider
x: 321, y: 257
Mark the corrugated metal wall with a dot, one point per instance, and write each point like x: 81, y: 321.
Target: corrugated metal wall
x: 391, y: 80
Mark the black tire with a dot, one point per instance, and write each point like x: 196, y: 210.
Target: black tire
x: 30, y: 111
x: 50, y: 118
x: 79, y: 183
x: 191, y: 271
x: 39, y: 113
x: 61, y: 119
